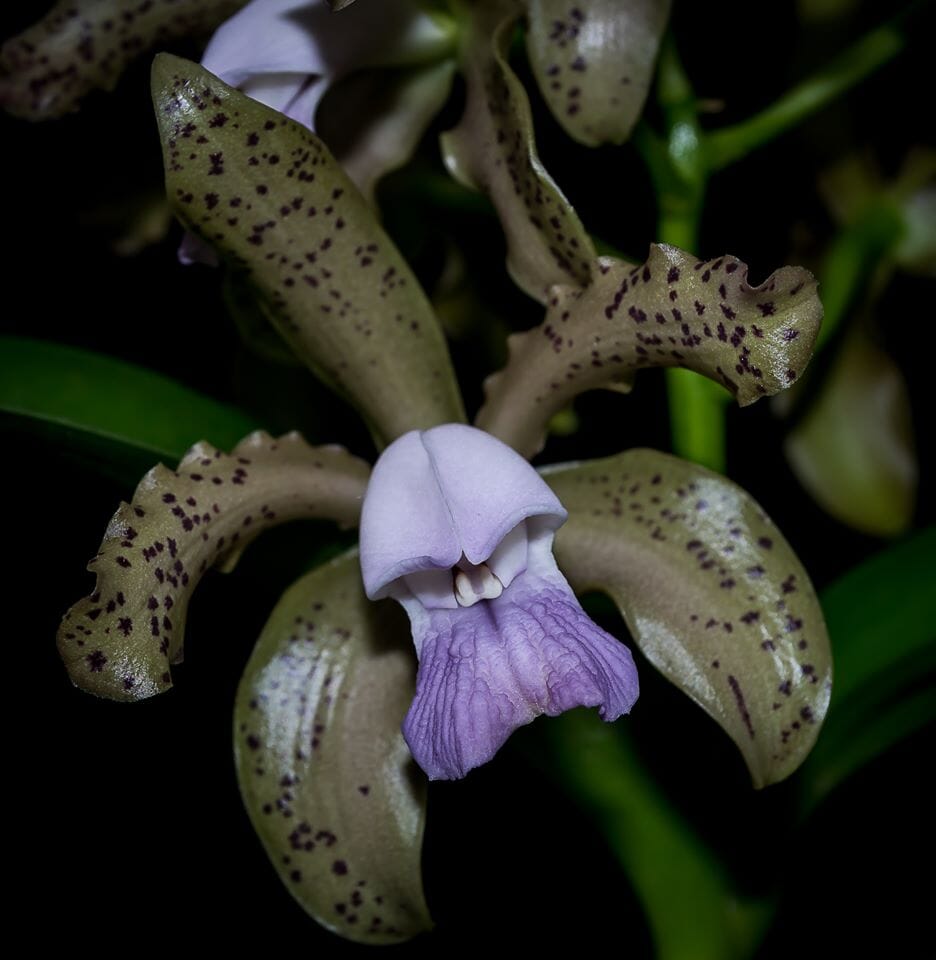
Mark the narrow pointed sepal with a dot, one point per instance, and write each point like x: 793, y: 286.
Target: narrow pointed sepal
x: 594, y: 60
x: 672, y: 311
x: 83, y: 45
x: 493, y: 150
x: 268, y: 196
x: 713, y: 595
x: 121, y: 641
x: 328, y: 782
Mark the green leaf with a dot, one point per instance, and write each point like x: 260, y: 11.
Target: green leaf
x: 594, y: 60
x: 882, y: 621
x: 880, y: 729
x: 492, y: 149
x: 121, y: 640
x: 692, y: 909
x: 325, y: 774
x: 266, y: 193
x: 673, y: 311
x: 713, y: 595
x: 102, y: 398
x: 854, y: 449
x: 82, y: 45
x: 882, y: 612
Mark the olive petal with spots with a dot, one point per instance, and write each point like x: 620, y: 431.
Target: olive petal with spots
x: 593, y: 61
x: 83, y: 45
x: 493, y: 150
x: 121, y: 641
x: 324, y: 771
x: 266, y: 193
x: 672, y: 311
x: 713, y: 595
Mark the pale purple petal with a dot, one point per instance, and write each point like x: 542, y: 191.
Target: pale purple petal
x: 193, y: 249
x: 487, y: 669
x: 489, y: 487
x: 268, y: 36
x: 439, y: 493
x: 405, y: 522
x: 282, y: 90
x: 306, y: 37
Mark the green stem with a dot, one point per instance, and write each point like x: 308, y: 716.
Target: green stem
x: 678, y: 167
x: 692, y: 911
x: 697, y: 418
x: 872, y: 51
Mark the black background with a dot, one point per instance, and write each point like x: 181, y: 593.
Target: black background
x: 127, y: 819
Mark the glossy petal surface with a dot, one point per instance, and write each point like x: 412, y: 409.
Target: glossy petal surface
x: 492, y: 149
x: 437, y: 494
x: 121, y: 640
x: 487, y: 669
x: 270, y: 198
x: 672, y: 311
x: 594, y: 60
x: 326, y: 777
x: 83, y: 45
x: 713, y: 595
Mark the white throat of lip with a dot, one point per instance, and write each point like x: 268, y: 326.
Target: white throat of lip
x: 469, y: 583
x: 474, y: 583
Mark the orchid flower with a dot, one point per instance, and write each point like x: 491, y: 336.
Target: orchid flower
x: 458, y: 528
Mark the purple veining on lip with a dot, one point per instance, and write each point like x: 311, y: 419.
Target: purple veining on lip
x: 455, y: 500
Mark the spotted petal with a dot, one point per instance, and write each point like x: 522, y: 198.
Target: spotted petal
x: 492, y: 149
x: 267, y: 194
x: 672, y: 311
x: 326, y: 777
x: 120, y: 641
x: 713, y: 595
x: 487, y: 669
x: 593, y: 61
x: 82, y: 45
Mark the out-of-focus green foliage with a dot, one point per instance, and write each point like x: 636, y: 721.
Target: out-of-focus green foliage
x: 100, y: 403
x: 882, y: 621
